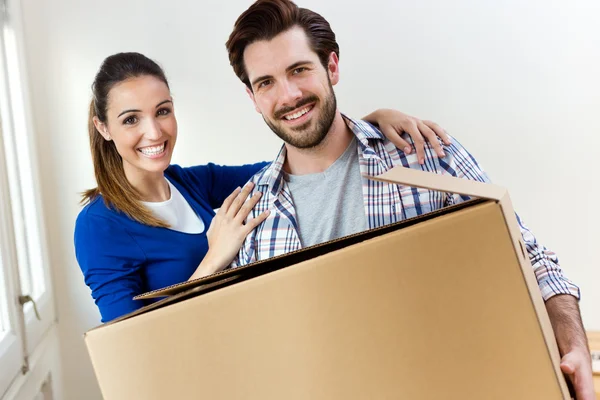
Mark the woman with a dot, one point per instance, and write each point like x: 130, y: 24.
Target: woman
x: 145, y: 224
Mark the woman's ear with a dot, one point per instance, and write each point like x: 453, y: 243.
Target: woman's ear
x: 101, y: 128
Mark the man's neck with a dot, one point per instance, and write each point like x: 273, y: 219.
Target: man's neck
x: 319, y: 158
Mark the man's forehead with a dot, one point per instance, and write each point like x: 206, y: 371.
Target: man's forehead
x: 271, y: 56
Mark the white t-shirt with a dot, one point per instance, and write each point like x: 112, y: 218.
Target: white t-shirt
x: 177, y: 213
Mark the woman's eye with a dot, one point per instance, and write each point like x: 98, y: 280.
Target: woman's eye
x: 130, y: 120
x: 163, y: 111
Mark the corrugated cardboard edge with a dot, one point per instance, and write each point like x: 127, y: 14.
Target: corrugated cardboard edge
x: 445, y: 183
x: 177, y: 288
x: 201, y: 286
x: 182, y: 291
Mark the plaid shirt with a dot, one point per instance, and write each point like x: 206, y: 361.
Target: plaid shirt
x: 384, y: 203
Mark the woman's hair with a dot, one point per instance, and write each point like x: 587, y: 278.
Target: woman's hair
x: 116, y: 190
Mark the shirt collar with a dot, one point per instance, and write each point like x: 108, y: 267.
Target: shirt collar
x: 273, y: 175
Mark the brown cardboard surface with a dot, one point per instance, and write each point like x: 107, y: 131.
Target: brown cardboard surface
x: 411, y: 177
x: 439, y: 309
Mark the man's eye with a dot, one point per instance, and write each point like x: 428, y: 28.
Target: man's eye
x: 130, y: 120
x: 264, y: 84
x: 298, y: 70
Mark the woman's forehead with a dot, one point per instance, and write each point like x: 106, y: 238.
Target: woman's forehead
x: 139, y: 91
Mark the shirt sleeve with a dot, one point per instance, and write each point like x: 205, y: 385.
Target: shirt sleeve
x: 220, y: 181
x: 551, y: 280
x: 110, y: 261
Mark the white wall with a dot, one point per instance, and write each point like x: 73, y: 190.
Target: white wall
x: 517, y: 81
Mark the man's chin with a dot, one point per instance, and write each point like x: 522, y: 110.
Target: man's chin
x: 301, y: 128
x: 303, y: 136
x: 302, y: 141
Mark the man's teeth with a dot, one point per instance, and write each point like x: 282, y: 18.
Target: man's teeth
x: 153, y: 150
x: 297, y: 114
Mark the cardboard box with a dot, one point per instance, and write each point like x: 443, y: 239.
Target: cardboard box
x: 444, y: 306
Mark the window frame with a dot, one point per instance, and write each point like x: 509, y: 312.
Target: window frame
x: 19, y: 177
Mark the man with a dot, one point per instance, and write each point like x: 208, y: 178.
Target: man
x: 288, y: 59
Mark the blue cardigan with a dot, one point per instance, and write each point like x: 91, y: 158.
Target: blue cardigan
x: 121, y: 258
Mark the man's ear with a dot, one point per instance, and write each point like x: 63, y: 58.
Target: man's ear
x: 251, y: 95
x: 101, y: 128
x: 333, y: 68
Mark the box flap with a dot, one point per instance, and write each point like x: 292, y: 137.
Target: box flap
x: 443, y: 183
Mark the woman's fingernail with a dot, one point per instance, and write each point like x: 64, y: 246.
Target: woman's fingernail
x: 407, y: 150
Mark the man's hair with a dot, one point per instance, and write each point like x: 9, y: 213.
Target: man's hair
x: 266, y: 19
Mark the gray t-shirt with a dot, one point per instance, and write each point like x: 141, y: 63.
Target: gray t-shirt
x: 330, y: 204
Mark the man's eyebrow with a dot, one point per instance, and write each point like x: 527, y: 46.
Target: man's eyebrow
x: 291, y: 67
x: 297, y: 64
x: 261, y: 78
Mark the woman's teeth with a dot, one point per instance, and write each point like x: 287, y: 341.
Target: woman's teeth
x: 298, y: 114
x: 152, y: 150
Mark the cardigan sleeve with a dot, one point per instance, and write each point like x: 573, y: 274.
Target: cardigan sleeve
x: 218, y: 181
x: 110, y: 261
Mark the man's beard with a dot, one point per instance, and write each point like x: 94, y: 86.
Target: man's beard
x: 304, y: 137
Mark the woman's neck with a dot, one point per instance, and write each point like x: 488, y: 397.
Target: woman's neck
x: 152, y: 187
